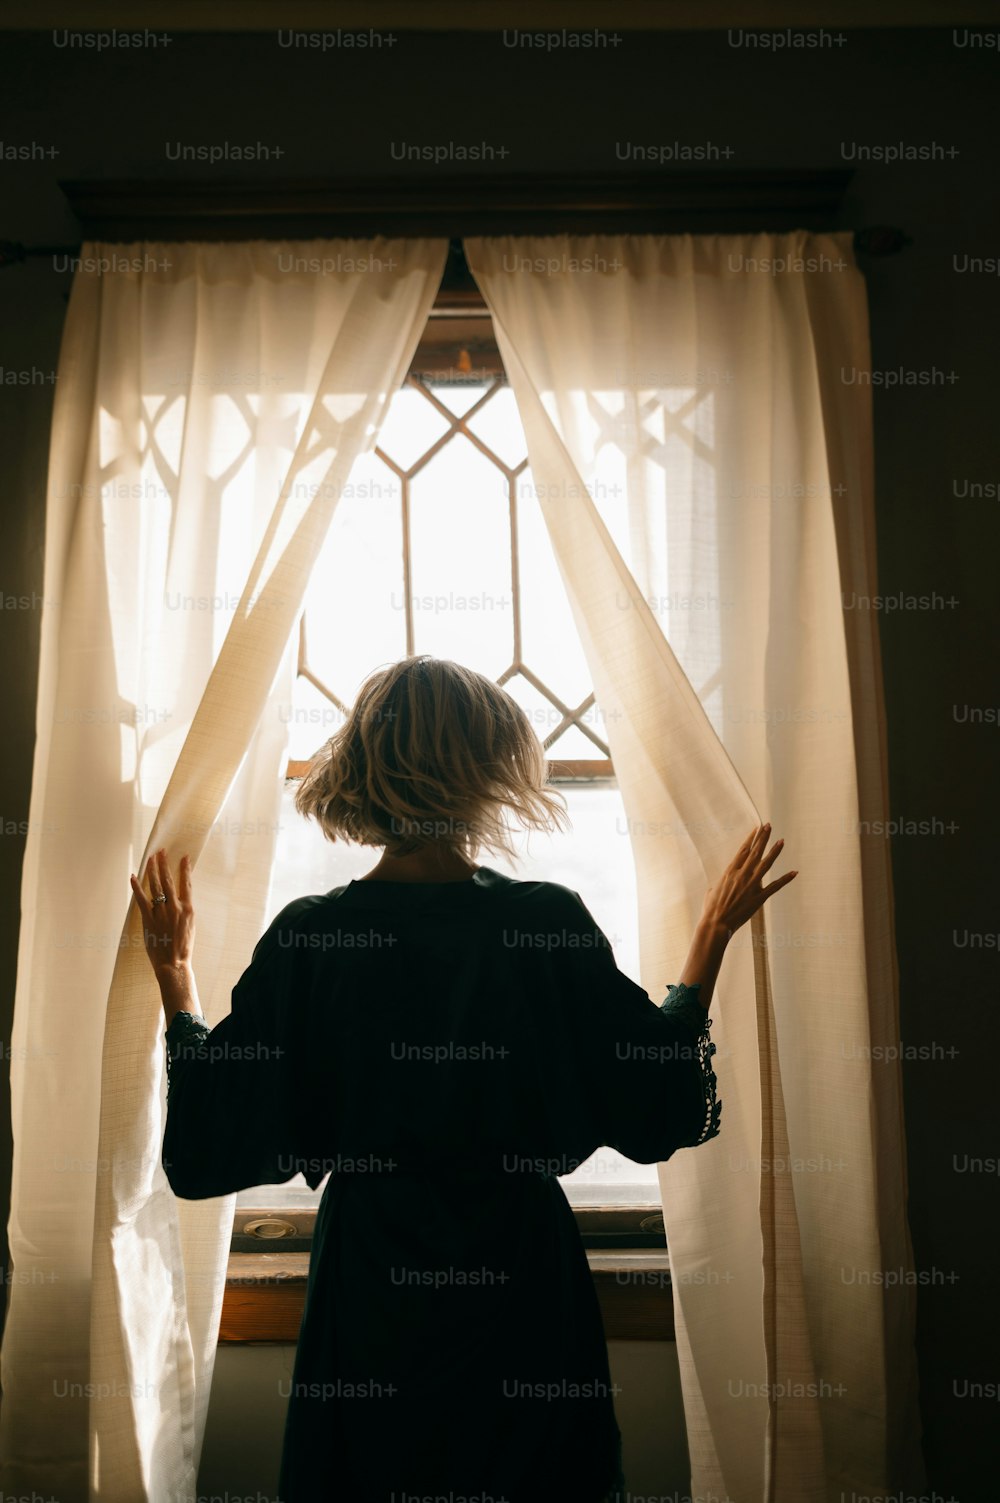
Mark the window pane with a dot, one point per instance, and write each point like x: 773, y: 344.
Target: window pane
x: 574, y: 746
x: 550, y: 644
x: 355, y: 615
x: 458, y: 397
x: 460, y: 517
x: 497, y: 424
x: 411, y: 426
x: 311, y: 718
x: 539, y: 709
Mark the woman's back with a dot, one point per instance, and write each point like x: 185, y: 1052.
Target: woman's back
x: 442, y: 1051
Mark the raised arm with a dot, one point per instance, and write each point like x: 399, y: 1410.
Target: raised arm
x: 728, y: 904
x: 168, y: 933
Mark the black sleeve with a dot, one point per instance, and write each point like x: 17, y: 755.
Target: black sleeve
x: 231, y: 1101
x: 649, y: 1065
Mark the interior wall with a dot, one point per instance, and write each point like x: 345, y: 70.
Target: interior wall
x: 340, y: 112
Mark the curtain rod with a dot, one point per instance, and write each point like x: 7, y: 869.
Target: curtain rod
x: 873, y: 240
x: 670, y: 201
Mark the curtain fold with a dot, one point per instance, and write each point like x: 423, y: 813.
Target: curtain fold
x: 703, y: 464
x: 211, y: 402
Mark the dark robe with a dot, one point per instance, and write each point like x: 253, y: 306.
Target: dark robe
x: 443, y: 1051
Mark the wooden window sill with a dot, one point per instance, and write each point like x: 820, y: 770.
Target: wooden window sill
x: 265, y: 1295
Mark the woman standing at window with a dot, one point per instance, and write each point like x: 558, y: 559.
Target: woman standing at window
x: 443, y: 1041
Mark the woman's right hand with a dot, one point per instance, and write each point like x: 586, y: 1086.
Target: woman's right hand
x: 738, y: 893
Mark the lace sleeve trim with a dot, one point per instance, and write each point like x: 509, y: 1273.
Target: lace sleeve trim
x: 682, y: 1003
x: 184, y: 1037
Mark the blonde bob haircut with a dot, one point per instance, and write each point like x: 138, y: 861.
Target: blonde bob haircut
x: 431, y: 752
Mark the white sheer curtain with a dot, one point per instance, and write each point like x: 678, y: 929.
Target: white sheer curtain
x: 211, y: 402
x: 702, y: 456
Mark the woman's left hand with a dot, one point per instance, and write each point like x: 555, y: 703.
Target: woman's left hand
x: 167, y: 914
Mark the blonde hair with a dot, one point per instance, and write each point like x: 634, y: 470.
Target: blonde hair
x: 431, y: 752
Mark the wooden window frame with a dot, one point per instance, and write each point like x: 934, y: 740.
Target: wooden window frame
x: 269, y: 1266
x: 602, y: 1227
x: 265, y: 1294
